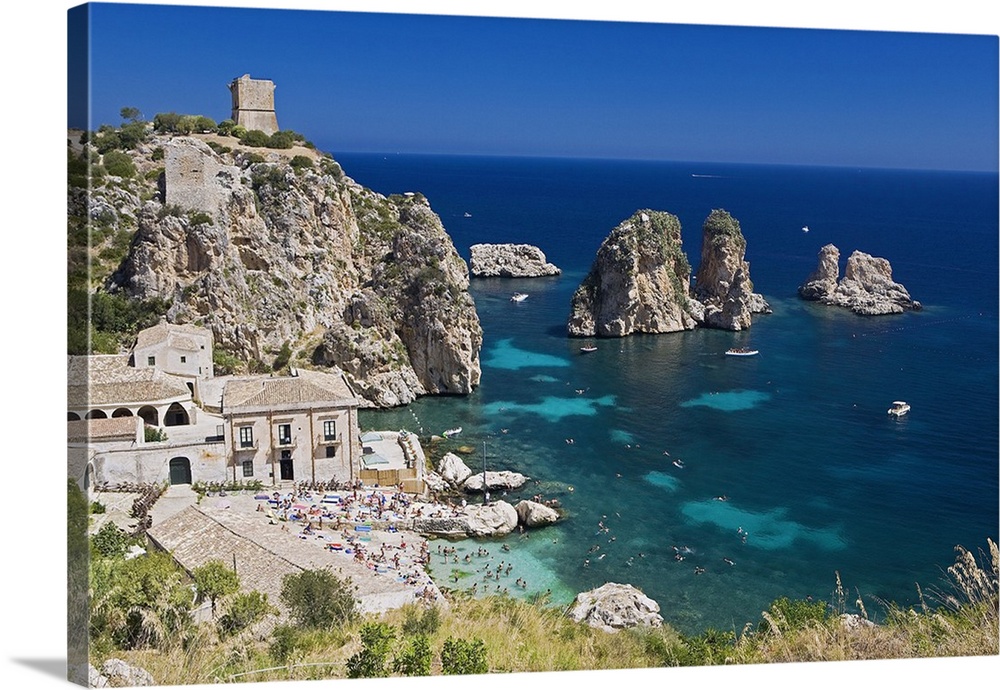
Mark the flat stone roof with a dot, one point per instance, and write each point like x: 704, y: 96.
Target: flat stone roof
x: 113, y: 428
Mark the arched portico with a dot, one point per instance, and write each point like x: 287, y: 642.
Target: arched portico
x: 149, y: 415
x: 176, y: 415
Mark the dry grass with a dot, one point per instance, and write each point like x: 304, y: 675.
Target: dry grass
x: 962, y: 622
x: 959, y: 620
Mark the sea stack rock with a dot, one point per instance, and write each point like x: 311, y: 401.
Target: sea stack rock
x: 867, y: 287
x: 823, y: 281
x: 612, y: 607
x: 509, y: 261
x: 638, y: 282
x: 723, y: 284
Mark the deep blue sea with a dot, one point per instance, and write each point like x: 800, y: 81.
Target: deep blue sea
x: 819, y: 479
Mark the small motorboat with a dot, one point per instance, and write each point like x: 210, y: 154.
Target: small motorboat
x: 452, y: 432
x: 741, y: 352
x: 899, y: 408
x: 518, y: 297
x: 805, y: 228
x: 588, y: 348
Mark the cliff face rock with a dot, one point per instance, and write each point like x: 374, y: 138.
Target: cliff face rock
x: 638, y: 282
x: 867, y: 287
x: 509, y: 261
x: 263, y: 254
x: 612, y: 607
x: 723, y: 284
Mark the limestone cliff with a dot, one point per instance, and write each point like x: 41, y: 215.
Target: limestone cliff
x: 867, y: 287
x: 509, y: 261
x: 723, y: 284
x: 638, y: 282
x: 271, y: 256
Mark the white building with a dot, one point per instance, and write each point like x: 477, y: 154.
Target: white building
x: 292, y: 428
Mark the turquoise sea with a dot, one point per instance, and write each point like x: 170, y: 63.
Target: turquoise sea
x: 818, y: 478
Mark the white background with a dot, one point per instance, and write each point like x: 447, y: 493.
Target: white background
x: 32, y: 221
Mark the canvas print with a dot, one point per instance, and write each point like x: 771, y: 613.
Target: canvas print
x: 407, y: 345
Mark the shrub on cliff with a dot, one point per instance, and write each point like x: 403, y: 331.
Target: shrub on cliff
x: 254, y: 137
x: 318, y: 599
x: 119, y: 164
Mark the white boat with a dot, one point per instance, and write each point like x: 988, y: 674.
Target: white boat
x: 518, y: 297
x: 741, y: 352
x: 468, y: 215
x: 899, y: 408
x: 588, y: 348
x: 452, y: 432
x: 805, y: 228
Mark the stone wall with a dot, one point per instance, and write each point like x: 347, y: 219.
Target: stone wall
x: 195, y: 178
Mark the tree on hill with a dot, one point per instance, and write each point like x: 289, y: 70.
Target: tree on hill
x: 214, y: 580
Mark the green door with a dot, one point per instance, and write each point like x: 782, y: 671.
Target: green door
x: 180, y: 471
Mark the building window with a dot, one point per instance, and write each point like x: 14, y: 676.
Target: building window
x: 246, y: 437
x: 151, y: 361
x: 330, y: 430
x: 284, y: 434
x: 248, y: 468
x: 184, y: 359
x: 331, y: 451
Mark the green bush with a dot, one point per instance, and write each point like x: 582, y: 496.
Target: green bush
x: 281, y: 140
x: 376, y: 644
x: 154, y: 434
x: 224, y: 362
x: 200, y: 218
x: 110, y: 541
x: 119, y: 164
x: 141, y: 602
x: 284, y: 356
x: 318, y: 599
x: 244, y: 609
x: 301, y: 163
x: 166, y: 122
x: 213, y: 580
x: 463, y: 657
x: 98, y: 508
x: 255, y: 137
x: 225, y: 127
x: 795, y: 614
x: 415, y: 658
x: 158, y: 154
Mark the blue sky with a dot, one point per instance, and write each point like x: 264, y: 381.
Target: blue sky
x: 515, y: 86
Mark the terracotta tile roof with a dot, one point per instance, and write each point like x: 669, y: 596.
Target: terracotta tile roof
x: 112, y: 381
x: 307, y: 389
x: 109, y: 429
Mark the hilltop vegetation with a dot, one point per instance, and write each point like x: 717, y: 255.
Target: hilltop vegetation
x: 285, y: 258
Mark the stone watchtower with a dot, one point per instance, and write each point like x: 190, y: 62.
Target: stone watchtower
x: 253, y: 104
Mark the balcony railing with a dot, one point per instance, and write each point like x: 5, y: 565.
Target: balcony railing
x: 324, y: 440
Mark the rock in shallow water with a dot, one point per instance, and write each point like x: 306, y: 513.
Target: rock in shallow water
x: 612, y: 607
